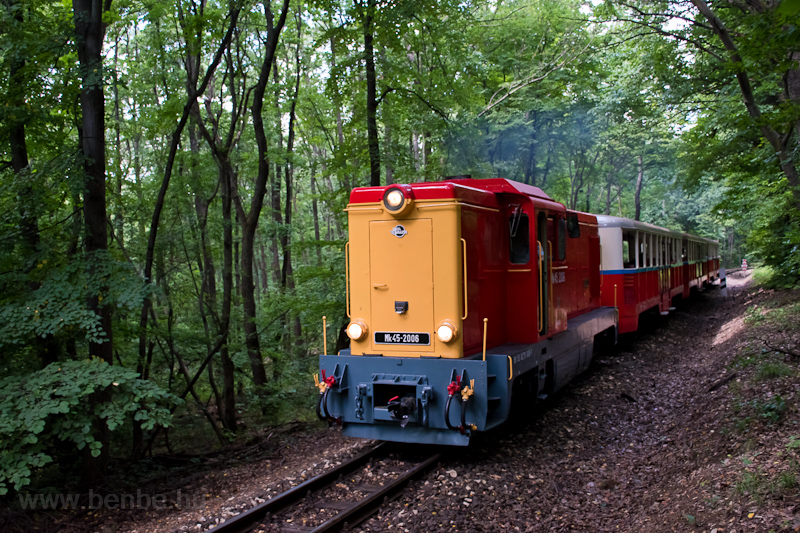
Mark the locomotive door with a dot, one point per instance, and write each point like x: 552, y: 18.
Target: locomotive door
x: 401, y: 280
x: 543, y: 265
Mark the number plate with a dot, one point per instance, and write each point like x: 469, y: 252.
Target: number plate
x: 414, y: 339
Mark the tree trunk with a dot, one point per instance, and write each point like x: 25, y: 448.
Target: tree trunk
x: 638, y: 192
x: 372, y: 102
x: 89, y: 32
x: 337, y: 102
x: 287, y: 274
x: 249, y: 221
x: 315, y: 214
x: 228, y: 385
x: 119, y: 221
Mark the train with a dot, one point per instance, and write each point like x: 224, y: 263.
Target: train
x: 466, y: 297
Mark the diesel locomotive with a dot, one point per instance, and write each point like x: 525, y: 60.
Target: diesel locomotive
x: 465, y: 295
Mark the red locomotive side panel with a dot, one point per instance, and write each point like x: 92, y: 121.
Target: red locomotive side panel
x: 485, y: 237
x: 582, y: 276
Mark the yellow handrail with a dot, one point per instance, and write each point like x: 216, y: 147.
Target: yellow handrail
x: 601, y: 265
x: 347, y: 277
x: 466, y: 305
x: 540, y: 253
x: 510, y: 368
x: 485, y: 324
x: 324, y: 336
x: 549, y: 273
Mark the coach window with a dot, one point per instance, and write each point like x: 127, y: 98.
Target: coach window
x: 658, y: 249
x: 653, y: 251
x: 562, y: 239
x: 642, y: 249
x: 519, y: 238
x: 628, y: 249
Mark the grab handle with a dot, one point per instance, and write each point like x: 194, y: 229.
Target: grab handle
x: 347, y: 277
x: 464, y: 254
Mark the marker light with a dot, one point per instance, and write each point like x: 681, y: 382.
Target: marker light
x: 356, y: 330
x: 446, y: 332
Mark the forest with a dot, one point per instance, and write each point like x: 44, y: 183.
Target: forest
x: 174, y: 174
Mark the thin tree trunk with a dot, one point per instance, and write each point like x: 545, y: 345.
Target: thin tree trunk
x: 119, y: 222
x: 372, y: 102
x: 228, y: 378
x: 249, y: 220
x: 315, y: 215
x: 337, y: 102
x: 638, y: 192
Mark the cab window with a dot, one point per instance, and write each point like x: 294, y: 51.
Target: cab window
x: 519, y: 239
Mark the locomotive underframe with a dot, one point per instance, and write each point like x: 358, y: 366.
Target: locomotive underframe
x: 366, y: 383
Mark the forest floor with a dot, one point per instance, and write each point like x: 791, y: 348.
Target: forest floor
x: 690, y: 424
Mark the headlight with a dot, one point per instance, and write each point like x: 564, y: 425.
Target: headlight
x: 394, y: 198
x: 446, y: 332
x: 397, y: 201
x: 356, y: 330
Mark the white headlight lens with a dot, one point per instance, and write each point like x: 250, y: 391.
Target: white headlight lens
x: 355, y: 331
x: 394, y: 198
x: 445, y: 333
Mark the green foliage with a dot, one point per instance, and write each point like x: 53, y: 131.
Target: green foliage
x: 59, y: 302
x: 771, y: 409
x: 772, y: 370
x: 68, y: 402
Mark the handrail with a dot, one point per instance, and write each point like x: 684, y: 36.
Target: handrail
x: 540, y: 253
x: 347, y: 277
x: 485, y: 327
x: 549, y: 273
x: 601, y: 264
x: 466, y: 305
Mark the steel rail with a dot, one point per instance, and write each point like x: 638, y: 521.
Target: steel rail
x: 244, y: 522
x: 363, y: 509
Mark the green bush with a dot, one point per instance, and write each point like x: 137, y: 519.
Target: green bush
x: 773, y: 370
x: 59, y: 404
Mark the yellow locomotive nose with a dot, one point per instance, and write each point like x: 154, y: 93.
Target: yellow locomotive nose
x: 404, y: 300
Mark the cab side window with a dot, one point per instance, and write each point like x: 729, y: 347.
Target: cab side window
x: 519, y: 239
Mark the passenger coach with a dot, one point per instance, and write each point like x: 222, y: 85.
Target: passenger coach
x: 646, y: 267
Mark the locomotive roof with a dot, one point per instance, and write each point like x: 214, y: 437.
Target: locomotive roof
x: 607, y: 221
x: 481, y: 191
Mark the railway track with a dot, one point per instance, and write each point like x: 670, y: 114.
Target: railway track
x: 339, y: 498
